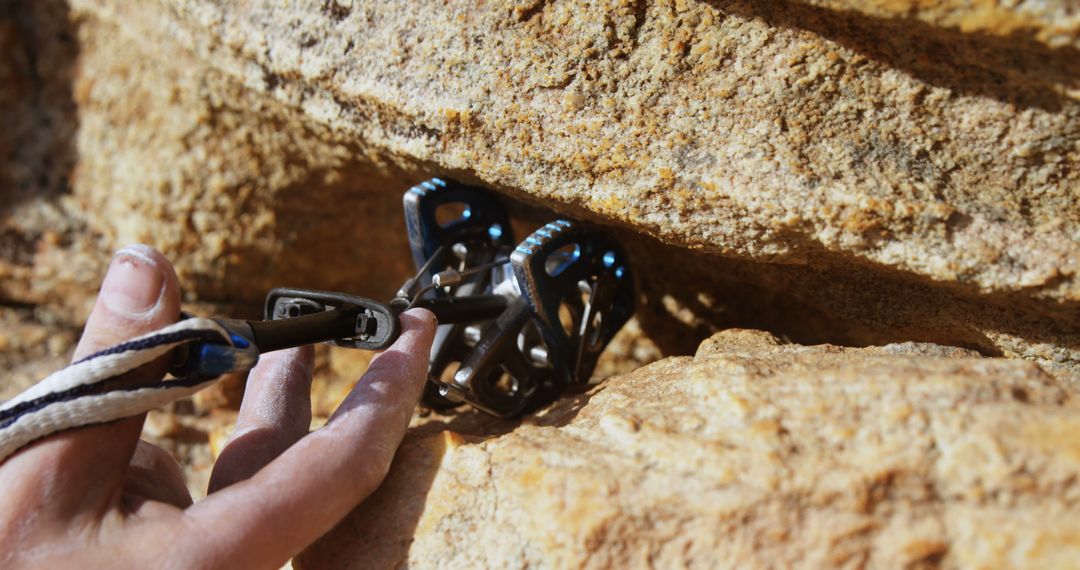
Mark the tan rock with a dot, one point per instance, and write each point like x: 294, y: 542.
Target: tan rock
x: 752, y: 453
x: 30, y: 350
x: 232, y: 186
x: 879, y: 177
x: 774, y: 132
x: 39, y: 235
x: 859, y: 173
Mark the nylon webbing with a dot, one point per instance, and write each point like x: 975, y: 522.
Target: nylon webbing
x: 82, y: 394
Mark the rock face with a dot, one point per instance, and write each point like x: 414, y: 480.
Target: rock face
x: 750, y: 454
x: 842, y: 172
x: 896, y: 173
x: 782, y: 132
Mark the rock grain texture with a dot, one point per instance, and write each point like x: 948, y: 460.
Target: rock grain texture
x: 897, y: 173
x: 777, y: 132
x: 750, y: 454
x: 922, y: 155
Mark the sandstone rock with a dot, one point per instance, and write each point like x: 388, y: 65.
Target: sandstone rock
x: 750, y: 454
x: 232, y: 186
x: 30, y: 349
x: 39, y: 235
x: 773, y: 132
x: 897, y: 171
x: 888, y: 173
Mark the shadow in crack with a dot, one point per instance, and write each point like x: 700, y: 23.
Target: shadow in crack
x: 1016, y: 69
x: 334, y: 229
x: 566, y: 408
x: 38, y: 57
x: 685, y: 296
x: 842, y: 301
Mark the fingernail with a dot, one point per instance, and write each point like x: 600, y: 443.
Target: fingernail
x: 133, y: 284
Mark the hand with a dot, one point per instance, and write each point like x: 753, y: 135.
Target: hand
x: 99, y: 497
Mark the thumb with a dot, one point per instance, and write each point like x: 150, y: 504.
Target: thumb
x: 81, y: 470
x: 140, y: 294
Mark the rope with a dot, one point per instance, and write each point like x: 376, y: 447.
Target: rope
x: 82, y: 394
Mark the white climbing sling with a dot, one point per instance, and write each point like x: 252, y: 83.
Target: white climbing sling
x: 86, y: 392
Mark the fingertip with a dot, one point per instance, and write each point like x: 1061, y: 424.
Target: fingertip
x: 147, y: 253
x: 140, y: 293
x: 419, y: 319
x: 417, y: 331
x: 154, y: 258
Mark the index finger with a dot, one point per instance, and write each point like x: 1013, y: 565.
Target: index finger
x: 309, y: 488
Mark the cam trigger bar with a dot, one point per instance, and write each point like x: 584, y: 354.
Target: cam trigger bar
x: 296, y: 317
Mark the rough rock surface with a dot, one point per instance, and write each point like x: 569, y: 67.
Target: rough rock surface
x: 769, y: 131
x: 833, y: 171
x: 750, y: 454
x: 885, y: 170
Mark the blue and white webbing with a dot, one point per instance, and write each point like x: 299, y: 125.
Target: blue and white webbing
x: 82, y: 394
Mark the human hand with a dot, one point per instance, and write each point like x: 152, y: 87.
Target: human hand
x: 100, y: 497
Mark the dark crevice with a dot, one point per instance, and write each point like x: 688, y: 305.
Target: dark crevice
x: 335, y: 10
x: 16, y: 305
x: 533, y: 10
x: 38, y: 55
x: 685, y: 296
x: 641, y: 8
